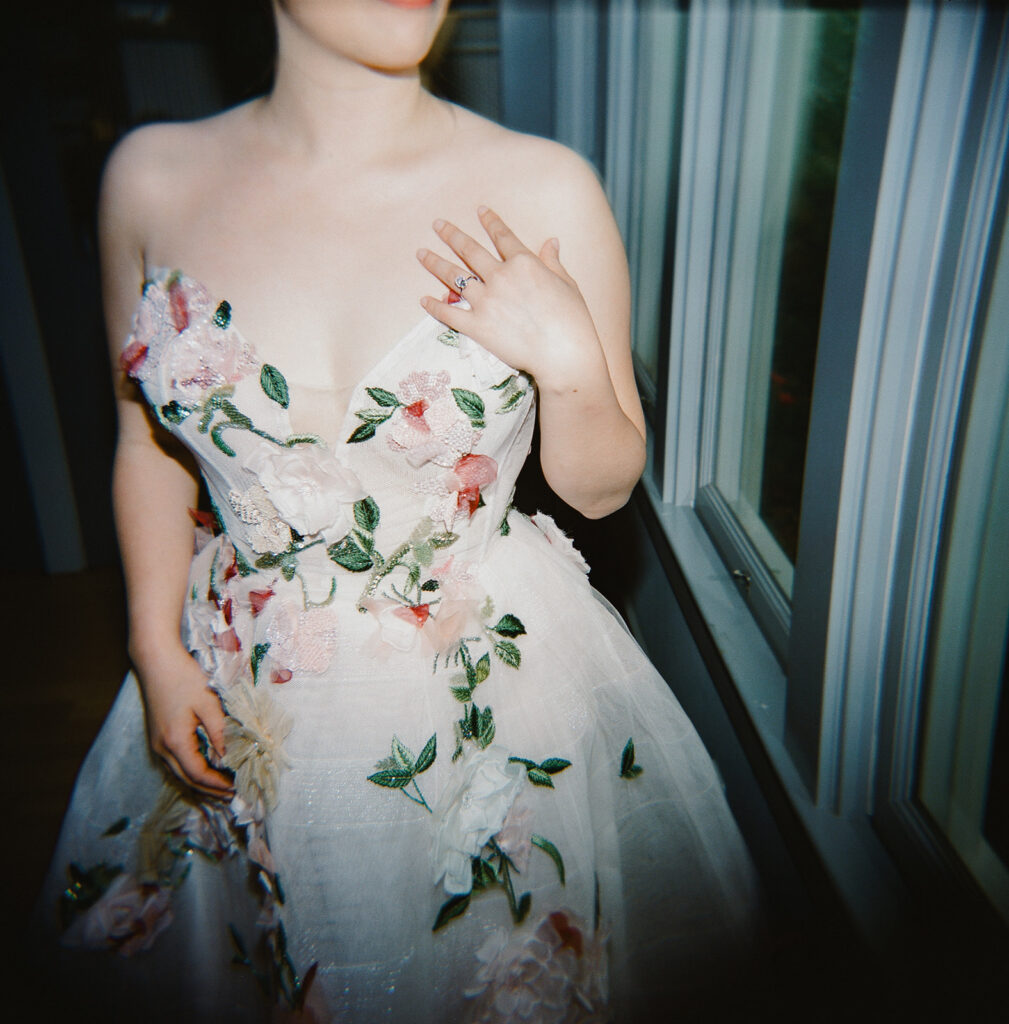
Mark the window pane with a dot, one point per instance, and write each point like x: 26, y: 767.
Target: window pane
x: 658, y: 101
x: 963, y: 771
x: 792, y: 125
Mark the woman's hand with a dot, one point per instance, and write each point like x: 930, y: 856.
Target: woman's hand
x: 178, y: 701
x: 524, y: 307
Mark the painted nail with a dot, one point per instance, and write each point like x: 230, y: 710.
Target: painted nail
x: 482, y: 210
x: 438, y: 224
x: 421, y: 253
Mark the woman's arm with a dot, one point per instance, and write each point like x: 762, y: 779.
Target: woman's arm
x: 528, y: 310
x: 154, y: 485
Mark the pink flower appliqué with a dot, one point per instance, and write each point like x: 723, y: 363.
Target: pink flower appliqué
x: 557, y: 975
x: 299, y: 641
x: 176, y: 327
x: 458, y: 493
x: 429, y: 426
x: 128, y: 918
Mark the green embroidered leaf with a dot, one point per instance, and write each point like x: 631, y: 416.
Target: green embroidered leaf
x: 296, y: 439
x: 222, y: 315
x: 553, y: 765
x: 524, y: 760
x: 538, y: 777
x: 383, y: 397
x: 256, y: 659
x: 523, y: 908
x: 443, y: 540
x: 627, y: 757
x: 362, y: 433
x: 375, y: 416
x: 366, y: 514
x: 452, y: 907
x: 503, y: 384
x: 427, y: 755
x: 504, y: 529
x: 508, y: 653
x: 242, y: 565
x: 484, y: 875
x: 215, y: 436
x: 288, y: 569
x: 272, y: 381
x: 485, y: 728
x: 628, y: 769
x: 120, y: 825
x: 239, y: 944
x: 450, y: 338
x: 511, y: 401
x: 461, y: 693
x: 347, y: 554
x: 237, y: 417
x: 173, y: 412
x: 428, y: 586
x: 481, y: 670
x: 471, y: 404
x: 391, y: 778
x: 509, y: 625
x: 555, y: 855
x: 270, y: 560
x: 402, y: 755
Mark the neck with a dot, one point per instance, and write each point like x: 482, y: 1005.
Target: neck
x: 326, y: 108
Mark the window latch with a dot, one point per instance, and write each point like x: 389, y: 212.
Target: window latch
x: 743, y: 579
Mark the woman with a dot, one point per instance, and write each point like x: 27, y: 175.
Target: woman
x: 460, y: 789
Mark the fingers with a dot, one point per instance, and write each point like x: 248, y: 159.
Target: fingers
x: 505, y: 240
x: 212, y: 718
x: 473, y: 255
x: 180, y: 750
x: 454, y: 278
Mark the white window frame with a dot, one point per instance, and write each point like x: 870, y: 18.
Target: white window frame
x: 885, y: 406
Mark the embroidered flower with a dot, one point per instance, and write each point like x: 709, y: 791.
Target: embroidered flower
x: 268, y: 533
x: 127, y: 918
x: 559, y: 540
x: 458, y: 493
x: 254, y: 732
x: 310, y: 487
x: 557, y: 975
x: 429, y: 425
x: 471, y: 811
x: 300, y: 641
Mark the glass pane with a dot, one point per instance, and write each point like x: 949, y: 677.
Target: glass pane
x: 792, y: 127
x: 658, y: 101
x: 963, y: 769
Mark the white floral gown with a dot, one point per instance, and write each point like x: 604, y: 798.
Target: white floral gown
x: 463, y: 793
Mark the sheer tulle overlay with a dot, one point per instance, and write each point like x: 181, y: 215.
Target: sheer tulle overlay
x: 463, y: 793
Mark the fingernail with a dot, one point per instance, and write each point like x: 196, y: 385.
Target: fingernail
x: 482, y: 210
x: 438, y: 224
x: 421, y: 253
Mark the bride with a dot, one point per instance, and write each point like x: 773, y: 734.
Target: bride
x: 564, y: 851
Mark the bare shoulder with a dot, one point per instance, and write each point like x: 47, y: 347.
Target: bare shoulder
x: 535, y: 180
x: 154, y: 167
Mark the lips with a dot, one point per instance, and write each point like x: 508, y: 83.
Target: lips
x: 411, y: 5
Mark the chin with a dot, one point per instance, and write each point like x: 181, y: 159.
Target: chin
x: 392, y: 35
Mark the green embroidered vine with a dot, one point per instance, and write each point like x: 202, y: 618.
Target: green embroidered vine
x: 400, y: 769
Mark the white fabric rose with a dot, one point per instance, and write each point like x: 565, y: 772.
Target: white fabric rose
x: 308, y: 485
x: 471, y: 811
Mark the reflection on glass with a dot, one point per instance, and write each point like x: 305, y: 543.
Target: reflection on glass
x: 791, y: 128
x: 963, y: 764
x: 803, y: 267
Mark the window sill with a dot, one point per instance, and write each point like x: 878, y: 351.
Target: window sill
x: 842, y: 860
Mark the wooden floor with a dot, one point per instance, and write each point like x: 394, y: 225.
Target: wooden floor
x: 65, y: 661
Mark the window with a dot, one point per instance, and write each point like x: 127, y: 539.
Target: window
x: 810, y: 196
